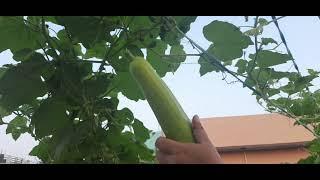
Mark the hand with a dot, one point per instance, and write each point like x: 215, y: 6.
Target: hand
x: 201, y: 152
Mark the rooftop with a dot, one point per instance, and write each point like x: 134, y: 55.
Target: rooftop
x: 254, y: 131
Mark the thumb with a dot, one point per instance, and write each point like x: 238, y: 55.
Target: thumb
x: 198, y: 131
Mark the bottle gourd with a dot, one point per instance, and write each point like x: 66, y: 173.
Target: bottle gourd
x: 173, y: 120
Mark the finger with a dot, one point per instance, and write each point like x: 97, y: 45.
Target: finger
x: 168, y: 146
x: 198, y: 131
x: 164, y: 158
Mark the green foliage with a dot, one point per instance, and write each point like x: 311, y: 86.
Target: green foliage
x: 228, y: 43
x: 69, y: 108
x: 17, y: 126
x: 22, y: 83
x: 268, y: 58
x: 14, y: 29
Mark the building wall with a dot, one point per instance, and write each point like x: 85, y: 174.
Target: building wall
x: 8, y: 159
x: 265, y: 156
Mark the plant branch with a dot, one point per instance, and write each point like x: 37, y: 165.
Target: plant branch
x: 256, y: 49
x: 285, y: 43
x: 273, y: 20
x: 47, y: 37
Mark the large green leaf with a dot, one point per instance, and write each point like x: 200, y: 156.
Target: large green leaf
x: 124, y: 116
x: 160, y: 64
x: 265, y: 76
x: 50, y: 117
x: 206, y: 66
x: 17, y: 126
x: 15, y: 34
x: 21, y: 84
x: 228, y: 40
x: 141, y: 132
x: 125, y: 84
x: 87, y: 29
x: 42, y: 150
x: 177, y: 53
x: 23, y: 54
x: 267, y: 58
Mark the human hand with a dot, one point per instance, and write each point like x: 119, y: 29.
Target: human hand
x: 201, y: 152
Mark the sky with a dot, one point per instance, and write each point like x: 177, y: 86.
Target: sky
x: 206, y: 96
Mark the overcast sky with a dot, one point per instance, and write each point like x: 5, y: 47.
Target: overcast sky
x: 208, y: 95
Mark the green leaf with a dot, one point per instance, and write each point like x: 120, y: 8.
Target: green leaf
x: 50, y: 19
x: 304, y: 81
x: 313, y: 72
x: 171, y: 35
x: 140, y: 22
x: 184, y: 22
x: 2, y: 71
x: 125, y: 84
x: 297, y: 108
x: 67, y: 46
x: 50, y: 117
x: 177, y: 53
x: 87, y: 29
x: 266, y: 41
x: 42, y: 150
x: 206, y: 67
x: 21, y: 84
x: 124, y: 116
x: 62, y: 140
x: 265, y: 76
x: 315, y: 146
x: 228, y: 40
x: 3, y: 113
x: 271, y: 92
x: 106, y: 104
x: 16, y: 35
x: 141, y: 133
x: 254, y: 31
x: 309, y: 160
x: 283, y: 102
x: 142, y: 29
x: 242, y: 65
x: 309, y: 105
x: 297, y: 84
x: 120, y: 64
x: 161, y: 65
x: 97, y: 85
x: 17, y: 126
x: 267, y: 58
x: 98, y: 51
x: 262, y: 21
x: 22, y: 54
